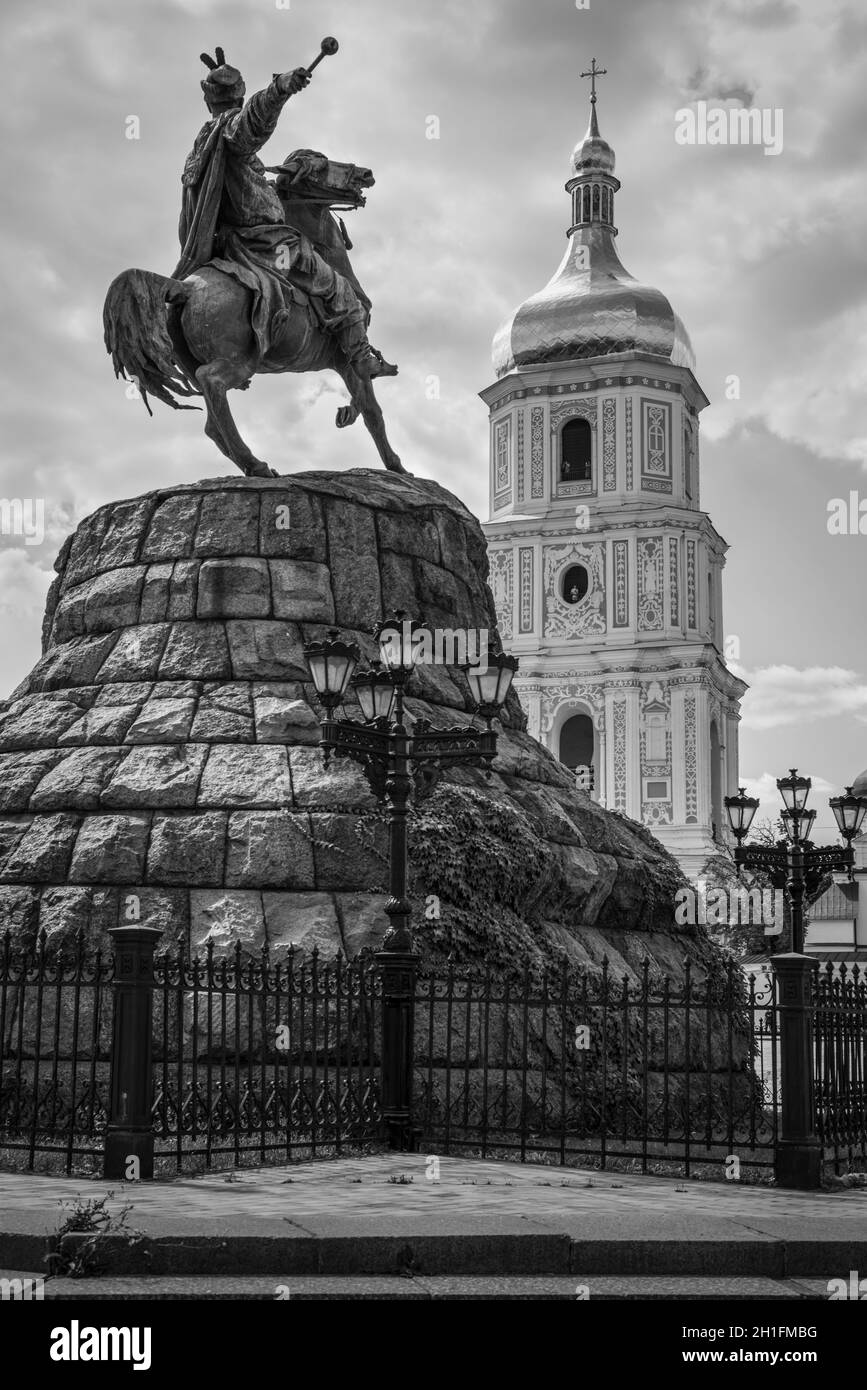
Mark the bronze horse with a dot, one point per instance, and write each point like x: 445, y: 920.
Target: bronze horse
x: 190, y: 337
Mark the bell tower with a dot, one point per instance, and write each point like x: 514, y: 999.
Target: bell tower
x: 606, y: 573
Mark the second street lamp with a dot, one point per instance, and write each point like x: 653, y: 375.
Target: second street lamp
x: 795, y: 862
x: 399, y: 762
x: 798, y: 865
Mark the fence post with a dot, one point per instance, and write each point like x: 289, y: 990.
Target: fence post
x: 398, y: 971
x: 130, y: 1132
x: 798, y: 1154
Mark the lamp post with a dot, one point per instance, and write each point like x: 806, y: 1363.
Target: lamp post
x: 400, y: 762
x: 796, y: 863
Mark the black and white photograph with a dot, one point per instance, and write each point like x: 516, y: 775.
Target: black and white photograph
x: 433, y: 679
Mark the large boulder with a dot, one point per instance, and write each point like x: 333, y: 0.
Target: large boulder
x: 164, y: 749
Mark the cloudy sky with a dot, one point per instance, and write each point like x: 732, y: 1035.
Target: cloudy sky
x: 763, y: 256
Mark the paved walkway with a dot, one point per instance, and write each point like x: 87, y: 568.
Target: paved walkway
x: 399, y: 1186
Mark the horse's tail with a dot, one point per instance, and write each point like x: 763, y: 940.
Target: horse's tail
x: 137, y: 336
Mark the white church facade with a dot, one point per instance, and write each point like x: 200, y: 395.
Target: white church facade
x: 606, y: 573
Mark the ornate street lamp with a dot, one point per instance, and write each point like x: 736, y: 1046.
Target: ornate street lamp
x: 795, y: 862
x: 489, y: 687
x: 849, y: 812
x: 741, y: 810
x: 331, y: 664
x: 399, y: 762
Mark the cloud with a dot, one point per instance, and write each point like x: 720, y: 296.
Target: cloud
x: 785, y: 695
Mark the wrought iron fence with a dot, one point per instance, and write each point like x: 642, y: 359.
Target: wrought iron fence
x: 55, y: 1049
x: 575, y: 1066
x: 261, y: 1055
x: 261, y: 1058
x: 840, y: 1040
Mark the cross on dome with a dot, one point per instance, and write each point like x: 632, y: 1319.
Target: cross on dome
x: 593, y: 72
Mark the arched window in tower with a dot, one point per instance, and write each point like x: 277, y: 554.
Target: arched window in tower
x: 606, y: 205
x: 574, y: 584
x: 585, y: 196
x: 596, y: 202
x: 576, y: 747
x: 710, y: 604
x: 576, y: 452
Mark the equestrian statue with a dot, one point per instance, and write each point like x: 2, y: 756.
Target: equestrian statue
x: 264, y: 282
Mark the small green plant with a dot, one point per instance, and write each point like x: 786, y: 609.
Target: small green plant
x: 401, y: 1178
x: 87, y: 1216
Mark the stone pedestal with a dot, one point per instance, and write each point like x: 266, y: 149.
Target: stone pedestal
x: 160, y: 764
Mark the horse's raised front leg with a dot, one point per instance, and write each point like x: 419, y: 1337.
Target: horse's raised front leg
x: 216, y: 379
x: 346, y: 415
x: 365, y: 402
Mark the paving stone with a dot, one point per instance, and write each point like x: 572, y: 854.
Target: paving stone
x: 269, y: 849
x: 172, y: 528
x: 86, y: 540
x: 234, y: 588
x: 355, y: 582
x: 342, y: 787
x: 183, y: 590
x: 362, y: 918
x: 187, y: 850
x: 226, y: 716
x: 228, y: 524
x: 104, y: 724
x: 224, y: 917
x: 196, y: 651
x: 110, y: 849
x: 12, y: 830
x: 75, y: 663
x: 63, y: 913
x: 135, y: 656
x: 19, y: 910
x: 163, y: 721
x: 20, y: 773
x: 301, y: 591
x: 113, y: 599
x: 246, y: 775
x: 302, y: 920
x: 391, y: 530
x: 155, y: 594
x: 37, y: 723
x: 261, y: 650
x: 177, y: 690
x: 285, y: 721
x: 123, y: 535
x: 167, y: 909
x: 291, y: 525
x: 76, y: 782
x: 123, y: 692
x: 156, y: 777
x: 350, y: 852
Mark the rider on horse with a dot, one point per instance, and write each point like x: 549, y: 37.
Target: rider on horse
x: 232, y: 219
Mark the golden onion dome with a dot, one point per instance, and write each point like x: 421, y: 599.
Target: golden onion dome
x: 859, y: 786
x: 593, y: 152
x: 592, y: 307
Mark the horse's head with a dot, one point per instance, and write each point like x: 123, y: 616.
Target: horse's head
x: 308, y: 175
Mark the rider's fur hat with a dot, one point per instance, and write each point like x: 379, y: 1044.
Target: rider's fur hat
x: 224, y: 86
